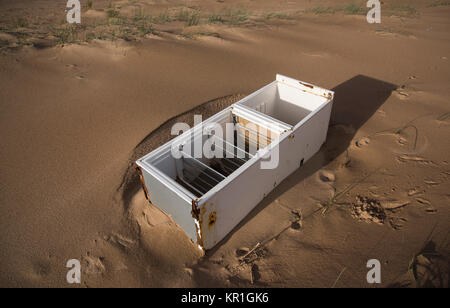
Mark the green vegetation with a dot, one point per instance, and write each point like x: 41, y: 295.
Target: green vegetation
x: 238, y: 16
x: 162, y: 18
x: 353, y: 9
x: 273, y: 15
x: 193, y: 19
x: 322, y: 10
x: 140, y: 16
x: 121, y: 25
x: 19, y: 22
x: 65, y: 35
x: 192, y: 35
x: 183, y: 15
x: 113, y: 13
x: 438, y: 3
x: 402, y: 10
x: 146, y: 28
x: 216, y: 19
x: 350, y: 9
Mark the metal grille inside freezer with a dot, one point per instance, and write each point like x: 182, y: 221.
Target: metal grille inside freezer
x: 201, y: 174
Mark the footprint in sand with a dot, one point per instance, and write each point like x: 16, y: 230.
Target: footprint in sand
x: 74, y: 67
x: 415, y: 159
x: 362, y: 142
x: 297, y: 223
x: 373, y: 190
x: 431, y: 182
x: 381, y: 112
x: 429, y: 207
x: 402, y: 140
x: 327, y: 176
x: 120, y: 240
x: 154, y: 216
x: 431, y: 211
x: 397, y: 222
x: 423, y: 201
x: 189, y: 271
x: 41, y: 269
x: 415, y: 192
x: 394, y: 205
x: 240, y: 252
x: 94, y: 265
x: 401, y: 94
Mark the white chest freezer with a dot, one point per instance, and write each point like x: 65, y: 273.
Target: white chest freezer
x: 211, y: 176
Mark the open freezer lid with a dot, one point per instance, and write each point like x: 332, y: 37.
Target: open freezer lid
x: 285, y: 101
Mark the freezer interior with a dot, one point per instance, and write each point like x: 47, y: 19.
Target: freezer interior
x: 210, y: 153
x: 285, y: 101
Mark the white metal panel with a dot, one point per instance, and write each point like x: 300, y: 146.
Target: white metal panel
x: 223, y: 211
x: 311, y: 133
x: 261, y: 118
x: 171, y: 203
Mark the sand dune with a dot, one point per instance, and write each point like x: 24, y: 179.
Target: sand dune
x: 74, y: 116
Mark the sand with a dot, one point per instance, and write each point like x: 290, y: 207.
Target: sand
x: 75, y: 114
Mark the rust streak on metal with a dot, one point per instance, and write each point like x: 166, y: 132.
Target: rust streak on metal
x: 306, y: 85
x: 141, y: 177
x: 195, y: 212
x: 212, y: 219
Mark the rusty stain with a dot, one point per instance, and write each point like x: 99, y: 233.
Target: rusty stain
x: 306, y: 85
x: 195, y: 212
x: 141, y: 177
x: 212, y: 219
x: 201, y: 213
x: 199, y: 236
